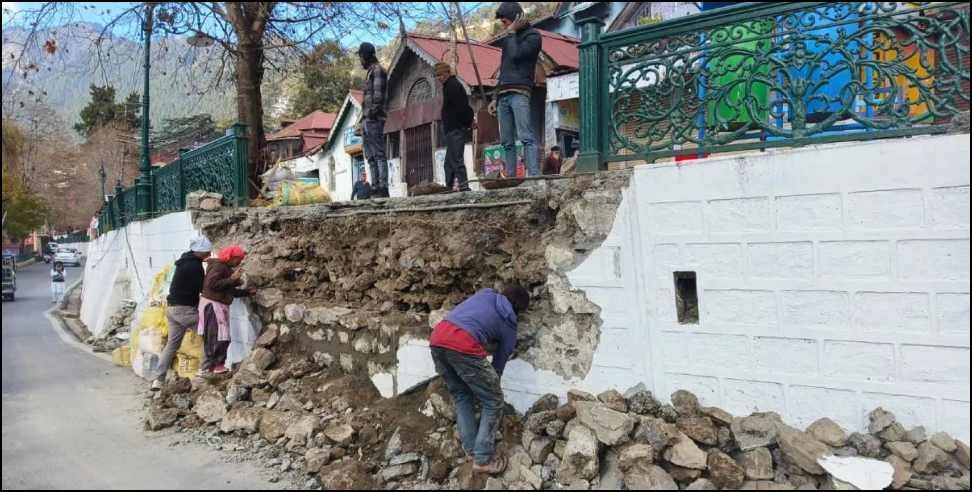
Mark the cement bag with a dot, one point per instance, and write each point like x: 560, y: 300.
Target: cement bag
x: 121, y: 356
x: 274, y: 177
x: 296, y: 192
x: 153, y: 318
x: 192, y: 344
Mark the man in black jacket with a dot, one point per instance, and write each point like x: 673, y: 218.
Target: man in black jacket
x: 457, y: 118
x: 361, y: 190
x: 373, y: 107
x: 183, y: 311
x: 521, y: 49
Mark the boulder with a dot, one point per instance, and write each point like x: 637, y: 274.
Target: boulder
x: 916, y: 435
x: 962, y: 453
x: 537, y: 422
x: 315, y: 458
x: 610, y: 426
x: 903, y: 449
x: 346, y: 475
x: 724, y: 472
x: 614, y: 400
x: 700, y: 429
x: 719, y: 416
x: 340, y: 434
x: 641, y: 401
x: 398, y: 472
x: 611, y: 476
x: 635, y: 453
x: 757, y: 464
x: 574, y: 396
x: 648, y: 477
x: 210, y: 406
x: 756, y: 431
x: 685, y: 403
x: 902, y: 472
x: 856, y: 473
x: 538, y: 447
x: 802, y: 450
x: 686, y: 454
x: 302, y: 430
x: 828, y: 432
x: 159, y: 418
x: 580, y: 460
x: 656, y: 432
x: 246, y: 419
x: 944, y: 442
x: 702, y: 484
x: 865, y: 444
x: 931, y: 459
x: 260, y: 359
x: 546, y: 403
x: 443, y: 407
x: 295, y: 312
x: 893, y: 432
x: 274, y: 423
x: 880, y: 419
x: 267, y: 338
x: 566, y: 413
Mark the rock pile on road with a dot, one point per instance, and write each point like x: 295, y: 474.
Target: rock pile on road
x: 118, y: 327
x: 336, y: 429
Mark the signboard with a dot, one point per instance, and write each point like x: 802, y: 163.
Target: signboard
x: 494, y: 159
x: 563, y: 87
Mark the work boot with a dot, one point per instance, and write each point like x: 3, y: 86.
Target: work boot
x: 494, y: 467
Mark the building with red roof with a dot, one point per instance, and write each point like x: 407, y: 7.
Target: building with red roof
x: 300, y: 137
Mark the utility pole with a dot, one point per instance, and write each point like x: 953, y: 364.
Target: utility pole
x: 143, y: 185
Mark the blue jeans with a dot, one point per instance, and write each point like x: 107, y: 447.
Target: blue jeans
x: 470, y: 379
x: 513, y: 112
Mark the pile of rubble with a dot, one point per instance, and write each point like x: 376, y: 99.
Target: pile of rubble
x: 337, y: 430
x: 117, y: 332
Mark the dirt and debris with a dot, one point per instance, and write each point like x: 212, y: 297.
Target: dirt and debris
x: 347, y: 281
x: 117, y: 331
x: 338, y: 434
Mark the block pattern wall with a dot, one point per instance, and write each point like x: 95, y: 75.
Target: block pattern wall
x: 831, y: 280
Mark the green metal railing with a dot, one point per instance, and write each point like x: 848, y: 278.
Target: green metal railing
x: 762, y: 75
x: 219, y: 166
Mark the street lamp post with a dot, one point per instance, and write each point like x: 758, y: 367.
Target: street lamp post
x: 143, y: 185
x: 103, y: 176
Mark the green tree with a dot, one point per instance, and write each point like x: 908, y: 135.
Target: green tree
x: 102, y: 110
x: 23, y: 210
x: 326, y: 76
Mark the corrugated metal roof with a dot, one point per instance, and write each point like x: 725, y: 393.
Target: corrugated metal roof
x: 316, y: 122
x: 487, y: 57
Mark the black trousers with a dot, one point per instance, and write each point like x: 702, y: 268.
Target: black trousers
x: 455, y: 165
x: 374, y: 152
x: 214, y: 351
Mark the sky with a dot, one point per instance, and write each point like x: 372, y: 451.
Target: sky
x: 100, y: 12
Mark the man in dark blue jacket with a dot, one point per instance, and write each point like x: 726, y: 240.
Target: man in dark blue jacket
x: 521, y: 49
x: 361, y: 189
x: 458, y: 345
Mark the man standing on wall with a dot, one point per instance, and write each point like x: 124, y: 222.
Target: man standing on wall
x: 361, y: 190
x: 183, y: 302
x: 521, y: 48
x: 373, y: 108
x: 457, y: 118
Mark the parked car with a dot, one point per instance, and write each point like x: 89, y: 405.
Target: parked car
x: 68, y: 256
x: 9, y: 283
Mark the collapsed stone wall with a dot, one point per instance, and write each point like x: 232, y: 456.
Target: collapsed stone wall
x: 345, y: 283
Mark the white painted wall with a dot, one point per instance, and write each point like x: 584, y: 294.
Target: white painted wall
x: 343, y: 178
x: 121, y: 265
x: 832, y: 280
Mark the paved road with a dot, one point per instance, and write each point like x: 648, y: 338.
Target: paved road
x: 71, y: 420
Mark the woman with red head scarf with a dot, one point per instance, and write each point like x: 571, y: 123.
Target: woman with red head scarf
x: 219, y: 288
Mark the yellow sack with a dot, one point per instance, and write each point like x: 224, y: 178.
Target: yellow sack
x: 186, y: 366
x: 121, y: 356
x: 192, y: 344
x: 160, y: 282
x: 153, y: 318
x: 293, y: 193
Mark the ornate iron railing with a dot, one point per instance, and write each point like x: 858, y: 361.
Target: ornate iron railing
x: 219, y: 166
x: 760, y: 75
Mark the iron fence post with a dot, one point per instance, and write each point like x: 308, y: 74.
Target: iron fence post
x: 591, y: 87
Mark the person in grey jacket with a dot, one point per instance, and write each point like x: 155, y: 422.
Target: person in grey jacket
x: 373, y: 106
x: 521, y: 49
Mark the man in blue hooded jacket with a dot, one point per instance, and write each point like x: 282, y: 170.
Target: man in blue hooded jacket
x: 458, y: 345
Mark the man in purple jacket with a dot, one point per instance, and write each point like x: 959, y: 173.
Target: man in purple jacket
x: 458, y: 349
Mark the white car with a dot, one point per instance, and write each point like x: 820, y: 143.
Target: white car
x: 68, y: 256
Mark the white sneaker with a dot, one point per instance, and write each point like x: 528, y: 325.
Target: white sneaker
x: 157, y: 385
